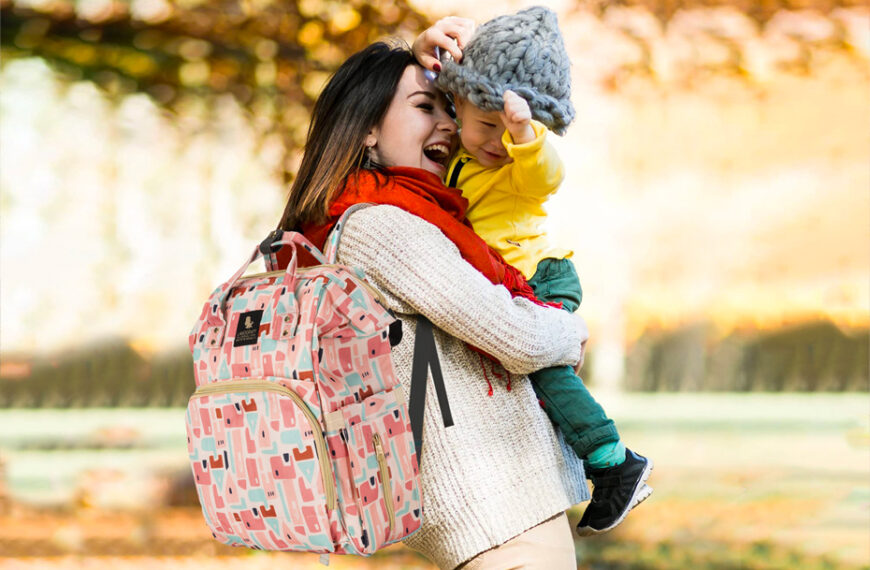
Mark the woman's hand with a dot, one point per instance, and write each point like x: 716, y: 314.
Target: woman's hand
x: 583, y: 330
x: 451, y: 34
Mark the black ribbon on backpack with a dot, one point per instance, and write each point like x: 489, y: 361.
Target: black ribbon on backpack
x: 425, y: 357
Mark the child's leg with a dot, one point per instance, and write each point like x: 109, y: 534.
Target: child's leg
x: 582, y: 420
x: 586, y: 426
x: 556, y: 281
x: 618, y: 475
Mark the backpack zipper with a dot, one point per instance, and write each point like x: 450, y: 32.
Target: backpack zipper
x: 255, y: 384
x: 377, y: 294
x: 385, y: 480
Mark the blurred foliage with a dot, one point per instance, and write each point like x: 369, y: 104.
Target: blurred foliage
x: 805, y: 358
x: 273, y: 57
x: 759, y: 10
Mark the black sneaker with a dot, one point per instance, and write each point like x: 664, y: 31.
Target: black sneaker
x: 616, y: 490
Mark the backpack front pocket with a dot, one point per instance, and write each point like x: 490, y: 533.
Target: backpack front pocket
x: 260, y: 464
x: 374, y: 458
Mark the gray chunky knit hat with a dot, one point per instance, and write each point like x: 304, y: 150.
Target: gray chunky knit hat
x: 523, y: 52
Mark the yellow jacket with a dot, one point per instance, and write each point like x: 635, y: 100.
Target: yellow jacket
x: 505, y: 203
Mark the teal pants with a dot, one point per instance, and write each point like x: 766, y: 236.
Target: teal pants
x: 566, y: 400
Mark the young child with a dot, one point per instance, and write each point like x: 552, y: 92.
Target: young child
x: 514, y: 69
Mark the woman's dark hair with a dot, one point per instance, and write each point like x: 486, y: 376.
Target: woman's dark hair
x: 354, y: 100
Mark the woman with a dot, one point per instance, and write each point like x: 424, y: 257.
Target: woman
x: 495, y: 484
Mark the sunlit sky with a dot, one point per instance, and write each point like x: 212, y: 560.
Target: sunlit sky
x: 741, y: 204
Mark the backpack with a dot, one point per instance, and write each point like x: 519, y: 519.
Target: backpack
x: 299, y: 433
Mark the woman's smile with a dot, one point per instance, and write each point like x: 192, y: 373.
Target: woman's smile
x: 438, y: 153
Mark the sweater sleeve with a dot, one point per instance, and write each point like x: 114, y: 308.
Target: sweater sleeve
x: 537, y: 169
x: 411, y: 259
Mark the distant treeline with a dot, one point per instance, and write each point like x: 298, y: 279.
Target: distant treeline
x: 107, y: 375
x: 809, y: 357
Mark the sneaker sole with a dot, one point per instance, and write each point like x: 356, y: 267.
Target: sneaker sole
x: 641, y: 493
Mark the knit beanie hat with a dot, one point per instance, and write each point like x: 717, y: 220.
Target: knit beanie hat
x: 523, y: 52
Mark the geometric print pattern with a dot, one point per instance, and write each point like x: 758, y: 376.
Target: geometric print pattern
x: 269, y: 473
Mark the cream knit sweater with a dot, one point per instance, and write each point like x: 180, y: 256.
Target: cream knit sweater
x: 501, y: 469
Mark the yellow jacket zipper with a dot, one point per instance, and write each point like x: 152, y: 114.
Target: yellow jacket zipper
x: 259, y: 385
x: 385, y: 480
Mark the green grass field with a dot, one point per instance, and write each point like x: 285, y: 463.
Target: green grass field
x: 755, y: 481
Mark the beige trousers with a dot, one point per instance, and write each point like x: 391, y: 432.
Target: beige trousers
x: 548, y: 546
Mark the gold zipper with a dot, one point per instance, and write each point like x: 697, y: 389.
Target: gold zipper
x: 377, y: 294
x: 259, y: 385
x: 385, y: 480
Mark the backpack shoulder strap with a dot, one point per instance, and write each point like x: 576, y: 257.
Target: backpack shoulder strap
x: 330, y: 248
x: 425, y: 352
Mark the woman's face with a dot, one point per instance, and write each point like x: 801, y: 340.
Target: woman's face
x: 417, y: 130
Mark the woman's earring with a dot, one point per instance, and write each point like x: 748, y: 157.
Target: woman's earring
x: 367, y: 161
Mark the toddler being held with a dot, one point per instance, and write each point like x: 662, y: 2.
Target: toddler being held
x: 511, y: 84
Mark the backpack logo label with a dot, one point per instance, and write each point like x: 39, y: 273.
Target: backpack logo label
x: 248, y: 329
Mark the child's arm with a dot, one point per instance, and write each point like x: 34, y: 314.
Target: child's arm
x: 449, y: 34
x: 537, y: 169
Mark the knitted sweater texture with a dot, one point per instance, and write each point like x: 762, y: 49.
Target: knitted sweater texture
x: 501, y: 469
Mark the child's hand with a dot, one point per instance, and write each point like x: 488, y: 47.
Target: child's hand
x: 450, y: 34
x: 517, y: 118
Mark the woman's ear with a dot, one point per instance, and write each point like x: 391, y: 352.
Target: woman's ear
x: 371, y: 139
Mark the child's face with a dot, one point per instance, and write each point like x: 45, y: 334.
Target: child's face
x: 481, y: 134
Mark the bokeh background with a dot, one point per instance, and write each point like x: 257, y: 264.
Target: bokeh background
x: 717, y: 199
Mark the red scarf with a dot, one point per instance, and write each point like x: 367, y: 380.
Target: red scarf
x: 423, y: 194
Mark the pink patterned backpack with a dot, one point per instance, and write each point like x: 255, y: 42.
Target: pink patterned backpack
x: 298, y: 431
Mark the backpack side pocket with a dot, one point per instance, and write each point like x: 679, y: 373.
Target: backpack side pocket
x: 260, y: 465
x: 375, y: 461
